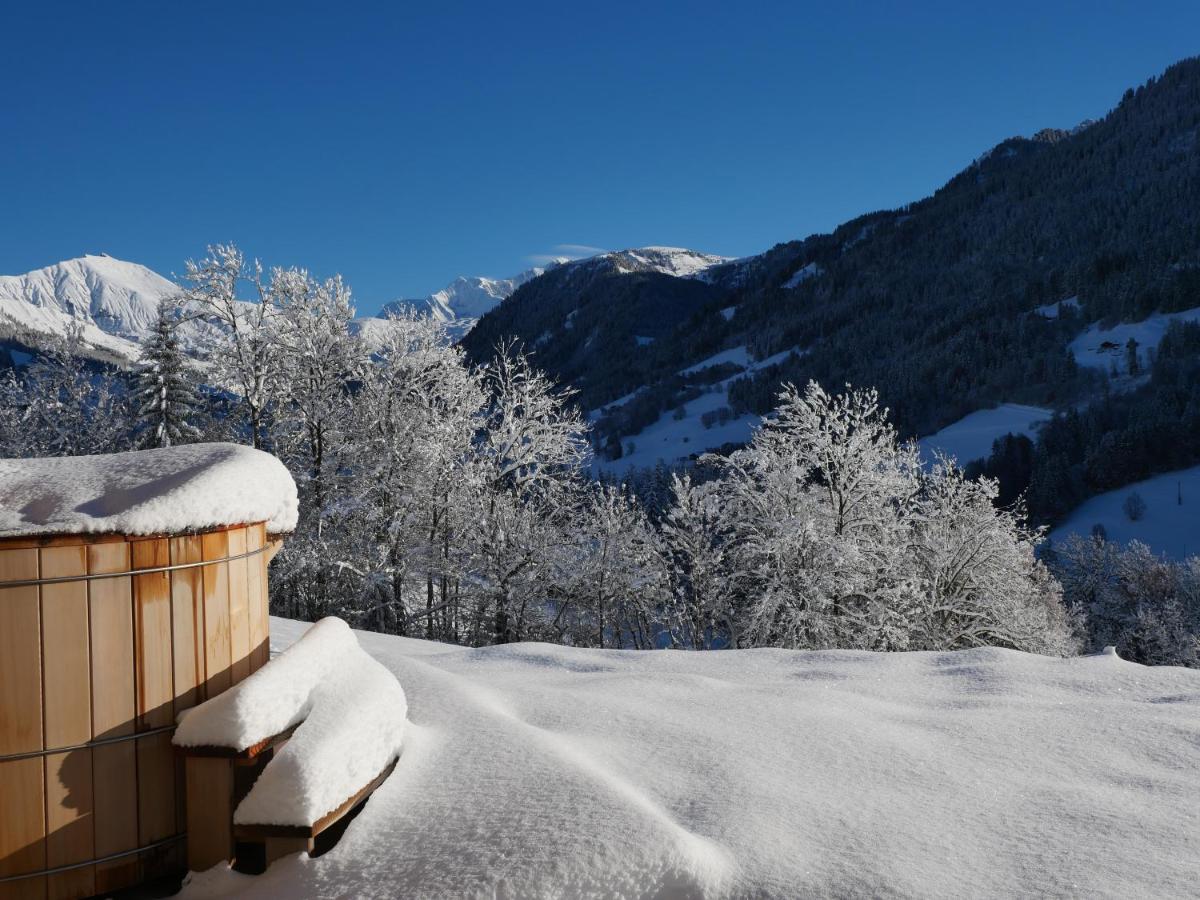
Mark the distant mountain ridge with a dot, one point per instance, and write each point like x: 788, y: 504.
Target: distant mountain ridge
x: 115, y: 302
x: 465, y: 300
x: 461, y: 303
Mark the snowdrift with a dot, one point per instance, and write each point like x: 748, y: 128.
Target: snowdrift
x: 539, y: 771
x: 350, y: 712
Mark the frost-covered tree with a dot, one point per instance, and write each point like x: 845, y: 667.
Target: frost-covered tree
x: 319, y: 362
x: 818, y: 502
x: 840, y: 539
x: 63, y: 405
x: 699, y: 564
x: 978, y: 580
x: 845, y: 445
x: 415, y: 486
x: 531, y: 446
x: 167, y: 403
x: 243, y: 350
x: 615, y: 581
x: 1146, y: 606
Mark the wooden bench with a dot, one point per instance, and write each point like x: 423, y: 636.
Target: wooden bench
x: 282, y: 840
x: 337, y: 717
x: 218, y: 779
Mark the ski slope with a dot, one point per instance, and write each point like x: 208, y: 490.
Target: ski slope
x: 536, y: 771
x: 1167, y: 526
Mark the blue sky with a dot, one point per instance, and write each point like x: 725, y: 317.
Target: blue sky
x: 403, y: 146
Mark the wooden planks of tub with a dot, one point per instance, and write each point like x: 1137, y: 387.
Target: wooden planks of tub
x: 104, y: 640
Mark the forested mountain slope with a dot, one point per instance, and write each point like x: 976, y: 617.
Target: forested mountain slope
x: 941, y: 304
x: 596, y: 317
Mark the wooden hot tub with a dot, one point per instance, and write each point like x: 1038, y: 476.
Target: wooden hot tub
x: 104, y: 639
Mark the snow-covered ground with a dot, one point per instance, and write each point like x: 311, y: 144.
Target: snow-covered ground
x: 1101, y: 348
x: 1166, y: 527
x: 738, y: 356
x: 971, y: 437
x: 1053, y: 310
x: 812, y: 270
x: 538, y: 771
x: 670, y: 439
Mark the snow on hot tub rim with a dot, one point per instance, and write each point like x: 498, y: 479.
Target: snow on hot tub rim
x: 183, y: 489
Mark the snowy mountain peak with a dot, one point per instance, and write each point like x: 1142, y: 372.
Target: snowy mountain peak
x: 463, y: 301
x: 114, y: 301
x: 676, y: 261
x: 469, y: 297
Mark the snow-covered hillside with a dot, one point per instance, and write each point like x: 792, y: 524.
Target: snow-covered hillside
x: 114, y: 302
x: 538, y: 771
x: 677, y: 261
x: 1105, y: 348
x: 971, y: 437
x: 674, y: 437
x: 1167, y: 526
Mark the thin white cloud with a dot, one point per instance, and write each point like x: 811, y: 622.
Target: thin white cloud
x: 578, y: 250
x: 564, y: 251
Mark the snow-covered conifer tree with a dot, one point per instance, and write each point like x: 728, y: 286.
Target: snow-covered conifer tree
x: 167, y: 403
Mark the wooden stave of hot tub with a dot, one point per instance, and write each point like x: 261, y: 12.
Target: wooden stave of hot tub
x: 89, y: 665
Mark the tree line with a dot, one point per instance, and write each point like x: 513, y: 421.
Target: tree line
x: 452, y: 501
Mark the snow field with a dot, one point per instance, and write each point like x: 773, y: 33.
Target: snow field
x: 1167, y: 526
x: 810, y: 270
x: 540, y: 771
x: 1054, y: 310
x: 670, y: 439
x: 972, y: 436
x: 1089, y: 349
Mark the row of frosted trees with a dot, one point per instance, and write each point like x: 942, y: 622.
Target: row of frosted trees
x: 453, y: 502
